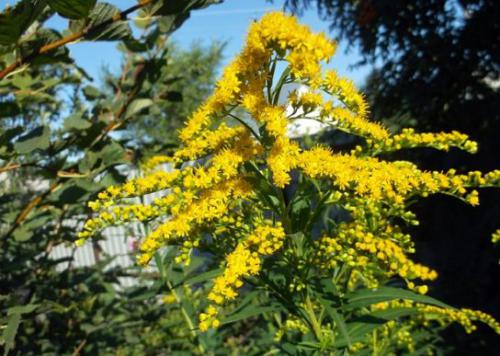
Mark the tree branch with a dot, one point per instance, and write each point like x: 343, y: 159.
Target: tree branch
x: 71, y: 38
x: 114, y: 124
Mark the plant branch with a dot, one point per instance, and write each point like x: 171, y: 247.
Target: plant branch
x: 114, y: 124
x: 9, y: 167
x: 70, y: 38
x: 33, y: 203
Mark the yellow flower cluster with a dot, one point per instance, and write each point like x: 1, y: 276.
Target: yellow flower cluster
x: 206, y: 190
x: 169, y: 298
x: 157, y: 181
x: 243, y: 261
x: 208, y: 141
x: 291, y: 324
x: 408, y: 138
x: 346, y: 120
x: 426, y: 313
x: 393, y: 182
x: 369, y: 254
x: 121, y: 214
x: 346, y: 91
x: 308, y: 101
x: 402, y: 334
x: 212, y: 204
x: 241, y: 82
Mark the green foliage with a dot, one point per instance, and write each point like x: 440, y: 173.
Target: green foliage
x: 103, y: 28
x: 72, y: 9
x: 57, y: 151
x: 14, y: 22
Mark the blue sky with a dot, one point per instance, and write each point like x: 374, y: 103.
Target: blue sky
x: 226, y: 22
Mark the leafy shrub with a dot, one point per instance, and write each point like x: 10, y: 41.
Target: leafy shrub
x: 62, y: 140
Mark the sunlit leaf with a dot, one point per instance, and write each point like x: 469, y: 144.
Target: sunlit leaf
x: 72, y: 9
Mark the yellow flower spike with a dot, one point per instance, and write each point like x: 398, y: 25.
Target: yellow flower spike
x: 244, y: 261
x: 408, y: 138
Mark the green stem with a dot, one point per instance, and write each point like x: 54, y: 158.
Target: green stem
x: 284, y: 208
x: 246, y: 125
x: 316, y: 213
x: 270, y: 80
x: 374, y: 343
x: 186, y: 316
x: 184, y: 312
x: 279, y: 85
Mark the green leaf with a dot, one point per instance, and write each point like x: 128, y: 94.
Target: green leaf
x: 9, y: 109
x: 168, y: 24
x: 248, y: 312
x: 14, y: 21
x: 88, y: 162
x: 202, y: 277
x: 358, y: 330
x: 112, y: 153
x: 102, y: 25
x: 394, y: 313
x: 23, y: 309
x: 9, y: 333
x: 174, y: 13
x: 365, y: 297
x: 168, y: 7
x: 339, y: 322
x: 134, y: 45
x: 362, y: 326
x: 76, y: 122
x: 8, y: 135
x: 90, y: 92
x: 21, y: 234
x: 308, y: 345
x: 71, y: 194
x: 38, y: 138
x: 137, y: 106
x: 300, y: 210
x: 72, y: 9
x: 23, y: 81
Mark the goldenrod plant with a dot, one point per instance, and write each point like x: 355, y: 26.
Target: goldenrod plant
x: 313, y: 240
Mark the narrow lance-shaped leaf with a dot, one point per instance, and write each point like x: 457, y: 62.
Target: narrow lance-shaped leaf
x: 366, y: 297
